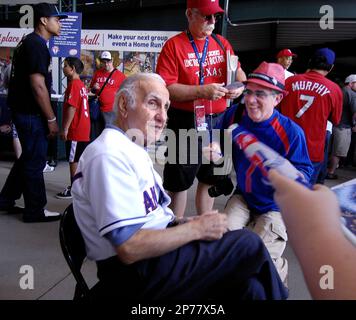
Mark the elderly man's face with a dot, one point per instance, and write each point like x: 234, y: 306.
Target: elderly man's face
x: 260, y: 102
x: 150, y: 114
x: 199, y: 25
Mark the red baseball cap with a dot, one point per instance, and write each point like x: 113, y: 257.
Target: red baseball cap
x: 269, y: 75
x: 206, y: 7
x: 286, y: 53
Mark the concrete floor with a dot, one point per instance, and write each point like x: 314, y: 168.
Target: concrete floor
x: 37, y: 245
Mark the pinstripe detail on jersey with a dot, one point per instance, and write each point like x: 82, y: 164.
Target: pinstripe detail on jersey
x: 77, y: 176
x: 121, y: 223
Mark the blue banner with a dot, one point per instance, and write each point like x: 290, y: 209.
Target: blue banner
x: 68, y: 43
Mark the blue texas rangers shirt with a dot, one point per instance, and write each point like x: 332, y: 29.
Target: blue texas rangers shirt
x: 279, y: 133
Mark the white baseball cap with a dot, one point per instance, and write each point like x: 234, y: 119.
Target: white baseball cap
x: 351, y: 78
x: 105, y: 55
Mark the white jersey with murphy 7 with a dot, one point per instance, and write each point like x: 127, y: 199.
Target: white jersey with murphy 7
x: 113, y: 175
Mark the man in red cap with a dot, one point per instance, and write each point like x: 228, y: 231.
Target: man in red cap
x: 252, y: 203
x: 285, y: 59
x: 194, y: 66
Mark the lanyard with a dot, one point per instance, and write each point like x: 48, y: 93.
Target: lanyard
x: 203, y: 56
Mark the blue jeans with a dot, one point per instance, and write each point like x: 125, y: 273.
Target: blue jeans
x: 26, y: 175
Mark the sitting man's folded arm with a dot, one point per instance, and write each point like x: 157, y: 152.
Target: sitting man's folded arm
x: 153, y: 243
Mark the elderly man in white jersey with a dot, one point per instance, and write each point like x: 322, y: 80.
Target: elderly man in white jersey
x: 141, y: 251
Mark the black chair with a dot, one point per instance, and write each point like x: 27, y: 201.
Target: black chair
x: 73, y: 248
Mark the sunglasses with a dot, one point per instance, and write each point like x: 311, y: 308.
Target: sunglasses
x: 210, y: 17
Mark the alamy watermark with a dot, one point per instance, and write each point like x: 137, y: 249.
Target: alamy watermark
x: 26, y: 21
x: 327, y: 20
x: 185, y: 146
x: 27, y: 281
x: 326, y: 282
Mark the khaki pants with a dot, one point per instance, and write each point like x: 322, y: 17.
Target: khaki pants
x: 269, y: 226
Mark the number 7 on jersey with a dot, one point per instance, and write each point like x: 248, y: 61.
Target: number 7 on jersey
x: 309, y: 101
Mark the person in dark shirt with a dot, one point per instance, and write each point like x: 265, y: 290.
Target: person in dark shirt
x: 342, y: 133
x: 33, y: 116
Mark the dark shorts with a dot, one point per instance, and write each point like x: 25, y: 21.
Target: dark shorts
x: 180, y: 176
x: 74, y: 150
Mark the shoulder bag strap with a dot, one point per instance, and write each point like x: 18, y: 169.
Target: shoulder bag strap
x: 107, y: 79
x: 215, y: 37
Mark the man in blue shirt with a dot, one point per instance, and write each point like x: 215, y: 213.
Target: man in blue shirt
x: 252, y: 203
x: 33, y: 116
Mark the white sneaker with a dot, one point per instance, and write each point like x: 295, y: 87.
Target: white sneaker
x: 47, y: 216
x: 48, y: 213
x: 48, y: 168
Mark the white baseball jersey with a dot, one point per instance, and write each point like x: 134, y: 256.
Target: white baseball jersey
x: 288, y: 74
x: 117, y: 187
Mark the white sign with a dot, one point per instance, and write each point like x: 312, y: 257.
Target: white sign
x: 10, y: 37
x: 115, y: 40
x: 124, y: 40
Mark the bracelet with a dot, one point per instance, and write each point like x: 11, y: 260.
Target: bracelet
x: 52, y: 120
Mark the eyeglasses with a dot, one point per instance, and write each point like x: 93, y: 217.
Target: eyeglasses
x: 261, y: 95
